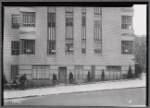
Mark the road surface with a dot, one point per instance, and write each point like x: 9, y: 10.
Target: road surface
x: 122, y: 97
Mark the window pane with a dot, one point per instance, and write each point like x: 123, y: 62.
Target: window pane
x: 69, y: 30
x: 14, y: 71
x: 15, y: 21
x: 28, y: 46
x: 127, y: 47
x: 28, y: 19
x: 15, y: 47
x: 40, y: 72
x: 126, y: 22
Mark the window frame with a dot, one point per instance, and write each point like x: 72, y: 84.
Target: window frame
x: 28, y: 19
x: 127, y: 45
x: 97, y: 10
x: 69, y: 40
x: 51, y: 39
x: 27, y: 44
x: 15, y: 48
x: 83, y: 30
x: 16, y: 73
x: 127, y: 22
x: 41, y: 72
x: 15, y: 21
x: 97, y: 30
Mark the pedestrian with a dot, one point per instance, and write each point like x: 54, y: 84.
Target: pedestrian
x: 89, y: 77
x: 54, y: 79
x: 71, y: 78
x: 22, y: 81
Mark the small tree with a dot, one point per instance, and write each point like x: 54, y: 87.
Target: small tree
x: 130, y: 75
x: 138, y: 70
x: 103, y: 75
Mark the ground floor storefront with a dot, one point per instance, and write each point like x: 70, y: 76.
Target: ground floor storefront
x: 80, y: 72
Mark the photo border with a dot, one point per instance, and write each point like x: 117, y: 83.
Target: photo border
x: 112, y: 3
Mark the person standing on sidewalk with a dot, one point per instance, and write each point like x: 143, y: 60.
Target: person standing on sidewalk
x: 22, y: 81
x: 71, y: 78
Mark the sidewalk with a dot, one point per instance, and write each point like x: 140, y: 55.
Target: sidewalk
x: 107, y: 85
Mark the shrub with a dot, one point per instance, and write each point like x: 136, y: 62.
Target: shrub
x: 130, y: 75
x: 39, y: 83
x: 103, y: 75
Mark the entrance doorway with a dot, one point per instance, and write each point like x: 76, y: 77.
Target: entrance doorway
x: 62, y: 74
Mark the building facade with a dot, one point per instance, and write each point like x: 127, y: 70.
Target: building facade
x: 41, y: 41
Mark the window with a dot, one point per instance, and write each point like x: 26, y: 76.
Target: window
x: 28, y: 19
x: 83, y: 30
x: 97, y: 46
x: 78, y: 72
x: 51, y: 31
x: 126, y: 22
x: 14, y: 71
x: 97, y: 30
x: 69, y: 30
x: 51, y: 19
x: 97, y: 10
x: 52, y: 47
x: 15, y: 21
x: 40, y: 72
x: 114, y: 72
x: 127, y: 47
x: 15, y: 48
x: 28, y: 46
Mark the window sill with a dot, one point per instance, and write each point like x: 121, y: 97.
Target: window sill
x: 40, y: 79
x: 50, y: 55
x: 27, y: 54
x: 98, y: 54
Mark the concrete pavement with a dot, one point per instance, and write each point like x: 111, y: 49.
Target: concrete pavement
x: 107, y: 85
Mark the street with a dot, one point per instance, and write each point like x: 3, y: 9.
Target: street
x: 121, y: 97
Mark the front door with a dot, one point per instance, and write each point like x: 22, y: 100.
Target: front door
x: 62, y: 74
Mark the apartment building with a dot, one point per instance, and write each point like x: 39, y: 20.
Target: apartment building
x: 41, y: 41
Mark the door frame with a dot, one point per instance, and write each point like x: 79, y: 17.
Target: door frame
x: 59, y: 68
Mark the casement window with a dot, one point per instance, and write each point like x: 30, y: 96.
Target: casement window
x: 69, y: 30
x: 27, y: 46
x: 127, y: 22
x: 83, y: 35
x: 51, y: 43
x: 28, y: 19
x: 40, y: 72
x: 78, y: 72
x: 14, y: 71
x: 15, y: 21
x: 97, y: 10
x: 127, y: 47
x: 97, y: 30
x: 15, y: 48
